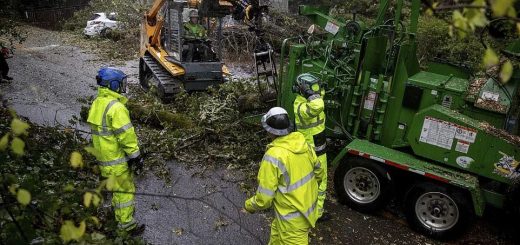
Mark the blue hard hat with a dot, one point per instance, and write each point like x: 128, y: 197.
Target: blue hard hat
x: 112, y: 78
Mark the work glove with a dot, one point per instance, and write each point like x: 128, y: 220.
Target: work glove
x: 136, y: 164
x: 308, y: 93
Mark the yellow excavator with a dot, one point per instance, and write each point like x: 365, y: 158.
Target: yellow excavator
x: 171, y: 61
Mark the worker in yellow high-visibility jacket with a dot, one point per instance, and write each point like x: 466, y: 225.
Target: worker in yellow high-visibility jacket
x: 309, y: 115
x: 288, y: 179
x: 192, y: 28
x: 114, y: 138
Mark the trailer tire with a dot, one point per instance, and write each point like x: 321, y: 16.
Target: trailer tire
x: 513, y: 197
x: 437, y: 211
x: 363, y: 184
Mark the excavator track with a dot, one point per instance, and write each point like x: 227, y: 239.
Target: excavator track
x: 167, y: 85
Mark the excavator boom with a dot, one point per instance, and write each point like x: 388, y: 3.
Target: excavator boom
x: 154, y: 10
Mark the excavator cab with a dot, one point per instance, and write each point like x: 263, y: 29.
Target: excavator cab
x: 187, y: 37
x: 172, y: 58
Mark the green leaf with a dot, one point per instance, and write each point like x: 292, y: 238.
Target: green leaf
x: 97, y: 236
x: 476, y: 18
x: 490, y: 58
x: 4, y: 142
x: 68, y: 188
x: 501, y: 7
x: 95, y: 199
x: 480, y: 3
x: 23, y: 196
x: 460, y: 23
x: 76, y: 160
x: 12, y: 188
x: 87, y: 199
x: 69, y: 231
x: 506, y: 71
x: 511, y: 12
x: 95, y: 220
x: 17, y: 146
x: 19, y: 127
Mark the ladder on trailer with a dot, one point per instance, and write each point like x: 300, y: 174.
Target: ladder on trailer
x: 266, y: 73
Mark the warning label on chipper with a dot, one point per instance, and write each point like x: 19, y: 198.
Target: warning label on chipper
x: 370, y: 101
x: 441, y: 133
x: 462, y: 147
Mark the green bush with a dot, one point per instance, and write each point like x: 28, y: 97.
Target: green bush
x: 434, y: 41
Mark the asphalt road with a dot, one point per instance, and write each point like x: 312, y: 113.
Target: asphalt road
x: 50, y: 77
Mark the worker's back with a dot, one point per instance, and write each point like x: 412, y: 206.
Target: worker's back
x: 295, y: 199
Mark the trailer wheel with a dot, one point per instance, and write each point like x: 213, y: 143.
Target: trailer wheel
x: 362, y: 184
x: 513, y: 198
x: 437, y: 211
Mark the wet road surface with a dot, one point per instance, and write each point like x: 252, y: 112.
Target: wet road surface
x: 199, y: 210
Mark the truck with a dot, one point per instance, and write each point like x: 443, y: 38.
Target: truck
x: 446, y: 139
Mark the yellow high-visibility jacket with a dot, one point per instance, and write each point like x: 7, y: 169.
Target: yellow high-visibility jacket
x: 309, y: 115
x: 194, y: 31
x: 112, y: 132
x: 289, y: 176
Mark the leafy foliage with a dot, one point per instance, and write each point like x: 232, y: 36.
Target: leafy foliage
x: 40, y: 191
x: 434, y: 32
x: 10, y: 33
x: 470, y: 17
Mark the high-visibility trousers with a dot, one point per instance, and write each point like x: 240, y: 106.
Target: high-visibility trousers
x: 322, y: 188
x: 123, y: 200
x: 295, y: 232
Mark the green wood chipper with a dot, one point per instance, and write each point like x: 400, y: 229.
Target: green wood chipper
x: 443, y: 137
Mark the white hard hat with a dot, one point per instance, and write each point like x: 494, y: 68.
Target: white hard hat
x: 194, y: 13
x: 276, y: 121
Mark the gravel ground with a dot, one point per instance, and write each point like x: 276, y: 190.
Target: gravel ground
x: 50, y: 77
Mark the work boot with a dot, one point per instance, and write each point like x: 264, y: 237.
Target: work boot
x: 325, y: 217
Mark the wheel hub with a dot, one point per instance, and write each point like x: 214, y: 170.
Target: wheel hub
x: 361, y: 185
x: 437, y: 211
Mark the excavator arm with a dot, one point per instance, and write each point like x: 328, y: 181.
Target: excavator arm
x: 151, y: 15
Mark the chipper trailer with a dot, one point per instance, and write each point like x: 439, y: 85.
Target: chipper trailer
x: 441, y: 136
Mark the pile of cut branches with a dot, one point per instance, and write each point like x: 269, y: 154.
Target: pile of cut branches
x: 239, y: 40
x: 199, y: 128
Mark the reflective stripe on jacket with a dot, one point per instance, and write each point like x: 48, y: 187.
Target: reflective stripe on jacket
x: 309, y: 116
x: 112, y: 132
x: 289, y: 176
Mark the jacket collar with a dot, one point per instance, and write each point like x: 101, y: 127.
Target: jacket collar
x: 294, y: 142
x: 106, y: 92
